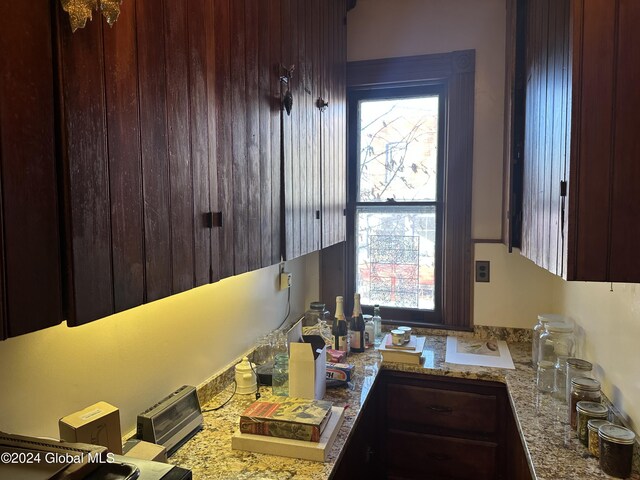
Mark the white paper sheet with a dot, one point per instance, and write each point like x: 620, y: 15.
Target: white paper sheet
x: 484, y: 353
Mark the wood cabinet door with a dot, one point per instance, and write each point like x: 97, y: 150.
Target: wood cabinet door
x: 30, y: 276
x: 333, y: 123
x: 247, y: 117
x: 137, y: 155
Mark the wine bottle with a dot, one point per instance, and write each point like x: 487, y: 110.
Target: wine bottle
x: 357, y: 326
x: 339, y: 328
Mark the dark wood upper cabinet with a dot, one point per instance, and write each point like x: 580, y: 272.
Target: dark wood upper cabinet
x: 138, y: 162
x: 581, y: 214
x: 30, y: 281
x: 314, y: 135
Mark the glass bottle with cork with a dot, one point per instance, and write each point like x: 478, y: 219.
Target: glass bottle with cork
x: 356, y: 324
x: 339, y: 329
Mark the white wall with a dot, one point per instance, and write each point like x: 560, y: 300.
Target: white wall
x: 137, y: 357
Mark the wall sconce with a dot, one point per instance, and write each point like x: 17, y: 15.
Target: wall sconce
x: 287, y: 100
x: 80, y: 10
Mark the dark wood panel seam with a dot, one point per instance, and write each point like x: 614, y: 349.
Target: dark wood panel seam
x: 612, y: 142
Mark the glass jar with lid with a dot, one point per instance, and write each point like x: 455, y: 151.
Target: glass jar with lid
x: 576, y: 367
x: 582, y: 388
x: 616, y: 450
x: 593, y: 443
x: 538, y: 329
x: 316, y: 313
x: 586, y: 411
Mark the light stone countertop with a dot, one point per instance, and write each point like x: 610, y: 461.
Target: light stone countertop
x: 552, y: 449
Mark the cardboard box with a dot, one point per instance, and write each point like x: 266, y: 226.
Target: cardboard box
x: 98, y: 424
x: 308, y: 368
x: 145, y: 450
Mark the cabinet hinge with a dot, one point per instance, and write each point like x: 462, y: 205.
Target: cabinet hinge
x: 213, y: 219
x: 563, y: 188
x: 344, y: 212
x: 317, y: 214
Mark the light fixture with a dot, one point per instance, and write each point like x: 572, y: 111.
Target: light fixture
x: 81, y: 10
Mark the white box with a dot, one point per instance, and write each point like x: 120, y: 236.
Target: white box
x: 308, y: 368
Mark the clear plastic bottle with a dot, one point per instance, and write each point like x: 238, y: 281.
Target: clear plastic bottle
x: 377, y: 323
x: 280, y: 378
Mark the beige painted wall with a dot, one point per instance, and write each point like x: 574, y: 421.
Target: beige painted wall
x: 383, y: 28
x: 609, y: 323
x: 137, y: 357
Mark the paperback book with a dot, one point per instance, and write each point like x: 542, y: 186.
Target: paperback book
x: 286, y: 417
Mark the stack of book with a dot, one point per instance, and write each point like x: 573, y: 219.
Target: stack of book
x: 290, y: 427
x: 410, y: 352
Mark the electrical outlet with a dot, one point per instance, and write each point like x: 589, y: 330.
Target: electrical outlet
x: 482, y: 271
x: 285, y: 280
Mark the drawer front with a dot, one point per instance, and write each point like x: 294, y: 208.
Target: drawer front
x: 420, y: 456
x: 442, y: 409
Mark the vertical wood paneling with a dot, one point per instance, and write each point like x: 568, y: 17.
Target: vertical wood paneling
x: 223, y: 106
x: 265, y: 105
x: 296, y: 113
x: 199, y: 131
x: 314, y: 17
x: 153, y: 143
x: 213, y: 128
x: 88, y: 235
x: 124, y: 167
x: 238, y: 121
x: 593, y: 157
x: 180, y: 166
x: 625, y: 206
x: 287, y: 60
x: 30, y: 282
x: 306, y: 218
x: 253, y: 101
x: 274, y: 17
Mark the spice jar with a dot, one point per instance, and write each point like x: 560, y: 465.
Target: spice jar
x: 593, y: 426
x: 576, y: 367
x: 586, y: 411
x: 616, y: 450
x: 582, y: 388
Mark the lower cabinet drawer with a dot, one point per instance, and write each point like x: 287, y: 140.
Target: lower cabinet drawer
x: 444, y: 409
x: 419, y: 456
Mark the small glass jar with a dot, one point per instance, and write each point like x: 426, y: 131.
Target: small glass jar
x: 545, y: 379
x: 593, y: 426
x: 616, y: 450
x: 280, y: 379
x: 586, y: 411
x: 538, y: 329
x: 316, y: 313
x: 576, y: 367
x: 582, y: 388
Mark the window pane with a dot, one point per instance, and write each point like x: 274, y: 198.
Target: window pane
x: 398, y: 149
x: 395, y: 251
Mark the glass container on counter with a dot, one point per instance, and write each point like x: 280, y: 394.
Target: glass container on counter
x: 586, y: 411
x: 576, y: 367
x: 616, y: 450
x: 539, y: 329
x: 317, y: 313
x: 280, y: 379
x: 560, y: 389
x: 582, y: 388
x: 545, y: 379
x: 594, y: 440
